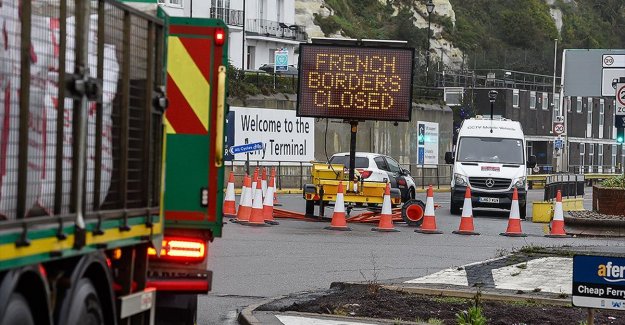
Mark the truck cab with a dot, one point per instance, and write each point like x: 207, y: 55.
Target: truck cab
x: 491, y: 159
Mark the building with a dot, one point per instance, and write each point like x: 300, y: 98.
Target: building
x: 529, y: 99
x: 269, y: 25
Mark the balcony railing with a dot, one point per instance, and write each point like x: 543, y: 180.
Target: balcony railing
x: 270, y: 28
x: 230, y: 16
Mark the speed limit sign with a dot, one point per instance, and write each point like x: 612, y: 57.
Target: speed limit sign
x: 558, y: 128
x: 620, y: 99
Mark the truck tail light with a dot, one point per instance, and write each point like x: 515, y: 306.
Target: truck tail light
x: 220, y: 37
x: 365, y: 174
x: 181, y: 249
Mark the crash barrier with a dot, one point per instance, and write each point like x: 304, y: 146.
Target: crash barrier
x: 568, y: 184
x: 539, y: 180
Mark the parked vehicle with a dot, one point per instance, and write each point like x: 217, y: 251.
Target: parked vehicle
x: 269, y: 68
x: 89, y: 231
x: 380, y: 168
x: 490, y: 158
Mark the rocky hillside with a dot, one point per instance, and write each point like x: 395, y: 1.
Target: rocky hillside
x: 507, y: 34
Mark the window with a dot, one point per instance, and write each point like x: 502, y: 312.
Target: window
x: 601, y: 118
x: 556, y: 105
x: 381, y: 163
x: 532, y: 100
x: 453, y: 96
x: 582, y: 153
x: 515, y: 98
x: 361, y: 162
x: 613, y: 158
x: 567, y: 103
x: 589, y: 119
x: 545, y: 101
x: 578, y: 106
x: 280, y: 10
x: 393, y: 165
x: 175, y: 3
x: 272, y: 55
x: 600, y: 162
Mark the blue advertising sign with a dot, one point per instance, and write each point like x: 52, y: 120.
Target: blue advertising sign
x: 599, y: 282
x: 246, y: 148
x: 421, y: 155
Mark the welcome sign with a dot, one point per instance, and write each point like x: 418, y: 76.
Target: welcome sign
x: 599, y: 282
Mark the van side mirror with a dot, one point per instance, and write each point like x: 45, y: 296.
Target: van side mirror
x: 531, y: 161
x: 449, y: 157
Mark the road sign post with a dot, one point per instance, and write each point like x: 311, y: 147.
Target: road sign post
x: 281, y: 63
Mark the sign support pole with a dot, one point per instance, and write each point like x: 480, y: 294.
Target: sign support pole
x: 352, y: 149
x: 590, y: 320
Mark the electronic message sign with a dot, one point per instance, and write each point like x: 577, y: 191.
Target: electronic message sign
x: 355, y: 82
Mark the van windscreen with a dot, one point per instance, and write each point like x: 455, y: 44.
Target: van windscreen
x: 361, y: 162
x: 491, y: 150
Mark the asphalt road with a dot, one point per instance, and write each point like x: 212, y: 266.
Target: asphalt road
x: 251, y: 264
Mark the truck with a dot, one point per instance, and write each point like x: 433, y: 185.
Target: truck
x: 111, y: 157
x: 491, y: 159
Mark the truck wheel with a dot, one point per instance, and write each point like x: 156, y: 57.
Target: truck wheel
x: 310, y: 208
x: 17, y: 312
x: 85, y: 305
x: 173, y: 309
x: 412, y: 212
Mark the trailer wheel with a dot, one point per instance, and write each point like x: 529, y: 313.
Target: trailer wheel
x: 85, y: 306
x: 412, y: 212
x: 17, y: 312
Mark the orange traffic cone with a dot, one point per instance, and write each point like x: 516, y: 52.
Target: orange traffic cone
x: 429, y: 218
x: 256, y: 217
x: 264, y: 181
x: 466, y: 220
x: 268, y: 205
x: 230, y: 210
x: 338, y: 218
x: 514, y: 223
x: 275, y: 191
x: 557, y: 224
x: 254, y: 180
x: 245, y: 204
x: 386, y: 217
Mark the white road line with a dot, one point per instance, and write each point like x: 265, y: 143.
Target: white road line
x: 549, y: 274
x: 296, y: 320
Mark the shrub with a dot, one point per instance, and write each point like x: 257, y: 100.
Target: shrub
x: 615, y: 182
x: 473, y: 316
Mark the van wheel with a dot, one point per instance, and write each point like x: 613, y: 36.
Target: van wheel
x: 523, y: 211
x: 86, y: 308
x: 17, y: 312
x: 454, y: 208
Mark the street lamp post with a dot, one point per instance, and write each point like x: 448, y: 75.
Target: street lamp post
x: 430, y: 8
x: 492, y: 97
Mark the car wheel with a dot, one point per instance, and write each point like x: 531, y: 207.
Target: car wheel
x: 412, y: 194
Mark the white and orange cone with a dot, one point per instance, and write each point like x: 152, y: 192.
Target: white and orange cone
x: 275, y: 190
x: 466, y: 220
x: 264, y: 181
x: 230, y: 210
x: 338, y: 218
x: 386, y: 217
x: 268, y: 205
x: 254, y: 181
x: 429, y: 218
x: 256, y: 217
x: 514, y: 223
x: 245, y: 204
x: 557, y: 224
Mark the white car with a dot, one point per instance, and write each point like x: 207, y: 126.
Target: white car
x: 380, y: 168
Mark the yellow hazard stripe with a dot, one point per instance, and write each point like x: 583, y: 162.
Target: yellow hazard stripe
x: 46, y: 245
x: 189, y: 78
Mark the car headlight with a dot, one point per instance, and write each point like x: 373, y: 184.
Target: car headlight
x: 520, y: 182
x: 460, y: 180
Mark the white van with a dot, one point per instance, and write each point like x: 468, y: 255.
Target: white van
x: 490, y: 158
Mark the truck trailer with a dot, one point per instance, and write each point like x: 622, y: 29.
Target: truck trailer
x: 111, y: 162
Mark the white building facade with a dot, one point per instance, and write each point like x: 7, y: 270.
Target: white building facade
x: 269, y: 26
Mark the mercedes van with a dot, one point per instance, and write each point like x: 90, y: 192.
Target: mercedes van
x: 491, y: 158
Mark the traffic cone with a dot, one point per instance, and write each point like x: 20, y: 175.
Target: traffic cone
x: 275, y: 191
x: 230, y: 210
x: 338, y: 218
x: 245, y: 204
x: 557, y: 224
x: 514, y: 223
x: 264, y: 181
x: 466, y: 220
x: 429, y: 218
x: 254, y: 180
x: 386, y: 218
x: 268, y: 205
x: 256, y: 217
